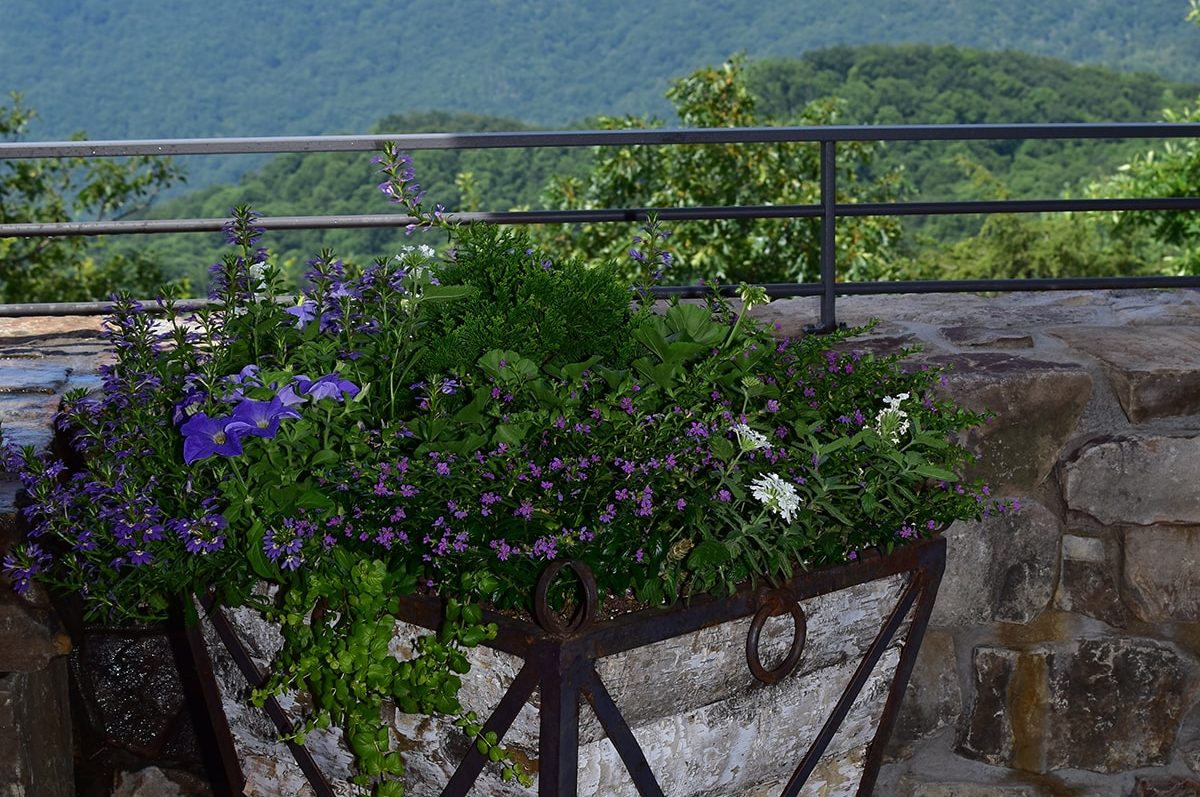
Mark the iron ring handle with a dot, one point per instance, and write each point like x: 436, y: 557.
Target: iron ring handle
x: 774, y: 605
x: 548, y: 618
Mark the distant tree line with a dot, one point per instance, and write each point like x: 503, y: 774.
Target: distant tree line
x: 869, y: 85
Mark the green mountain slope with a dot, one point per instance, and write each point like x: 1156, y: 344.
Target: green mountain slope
x: 149, y: 68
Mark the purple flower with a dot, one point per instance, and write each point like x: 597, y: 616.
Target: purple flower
x: 259, y: 418
x: 329, y: 387
x: 305, y: 313
x: 204, y: 436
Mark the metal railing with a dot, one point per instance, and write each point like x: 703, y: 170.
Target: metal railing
x: 827, y: 210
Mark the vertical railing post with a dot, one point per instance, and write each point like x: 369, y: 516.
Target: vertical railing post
x: 828, y: 236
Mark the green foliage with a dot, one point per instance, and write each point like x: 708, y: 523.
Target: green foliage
x: 733, y: 174
x: 1022, y: 246
x: 923, y: 84
x: 73, y: 189
x: 341, y: 183
x: 1168, y: 169
x: 565, y: 311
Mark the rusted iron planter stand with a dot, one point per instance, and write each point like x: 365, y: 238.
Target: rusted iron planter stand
x: 560, y: 657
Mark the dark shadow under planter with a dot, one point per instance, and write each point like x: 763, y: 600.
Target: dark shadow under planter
x: 817, y: 695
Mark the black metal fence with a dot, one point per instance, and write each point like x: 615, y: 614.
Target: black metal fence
x: 828, y: 210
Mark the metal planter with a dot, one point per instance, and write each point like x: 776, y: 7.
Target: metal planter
x: 756, y: 705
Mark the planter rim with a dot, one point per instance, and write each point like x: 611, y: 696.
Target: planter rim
x: 604, y: 637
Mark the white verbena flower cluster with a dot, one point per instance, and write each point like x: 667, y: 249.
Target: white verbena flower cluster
x: 749, y: 439
x: 777, y: 495
x: 891, y: 422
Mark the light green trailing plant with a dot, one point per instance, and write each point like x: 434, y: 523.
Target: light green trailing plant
x: 336, y: 449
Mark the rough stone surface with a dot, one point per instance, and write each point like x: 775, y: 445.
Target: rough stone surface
x: 35, y: 734
x: 1088, y: 581
x: 933, y: 699
x: 156, y: 782
x: 30, y: 636
x: 25, y: 418
x: 988, y: 337
x: 1036, y: 405
x: 913, y: 788
x: 1137, y: 480
x: 1152, y: 369
x: 1002, y: 568
x: 133, y: 690
x: 36, y: 328
x: 1159, y: 576
x: 1117, y: 705
x: 989, y: 735
x: 1166, y: 787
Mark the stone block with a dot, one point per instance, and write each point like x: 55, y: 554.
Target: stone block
x: 27, y: 419
x: 1103, y: 705
x: 933, y: 699
x: 1140, y: 480
x: 133, y: 691
x: 910, y: 787
x: 1088, y: 581
x: 1004, y: 567
x: 988, y: 337
x: 157, y: 782
x: 1166, y: 787
x: 32, y: 328
x: 22, y: 375
x: 35, y: 734
x: 1159, y: 573
x: 989, y: 735
x: 1154, y: 370
x: 1037, y: 406
x: 30, y: 635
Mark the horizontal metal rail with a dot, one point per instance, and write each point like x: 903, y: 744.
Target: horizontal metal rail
x: 384, y: 220
x: 595, y: 138
x: 828, y: 210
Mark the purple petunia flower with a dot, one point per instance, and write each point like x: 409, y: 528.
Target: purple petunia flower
x: 259, y: 418
x: 329, y: 386
x: 204, y: 436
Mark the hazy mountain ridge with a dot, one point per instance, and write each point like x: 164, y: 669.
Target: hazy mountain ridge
x: 149, y: 68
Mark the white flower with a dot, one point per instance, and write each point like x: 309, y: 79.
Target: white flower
x: 891, y: 422
x: 258, y: 279
x: 750, y: 440
x: 777, y: 495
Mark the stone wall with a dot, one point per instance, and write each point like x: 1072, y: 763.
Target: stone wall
x: 1062, y: 657
x: 40, y: 359
x: 1064, y: 653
